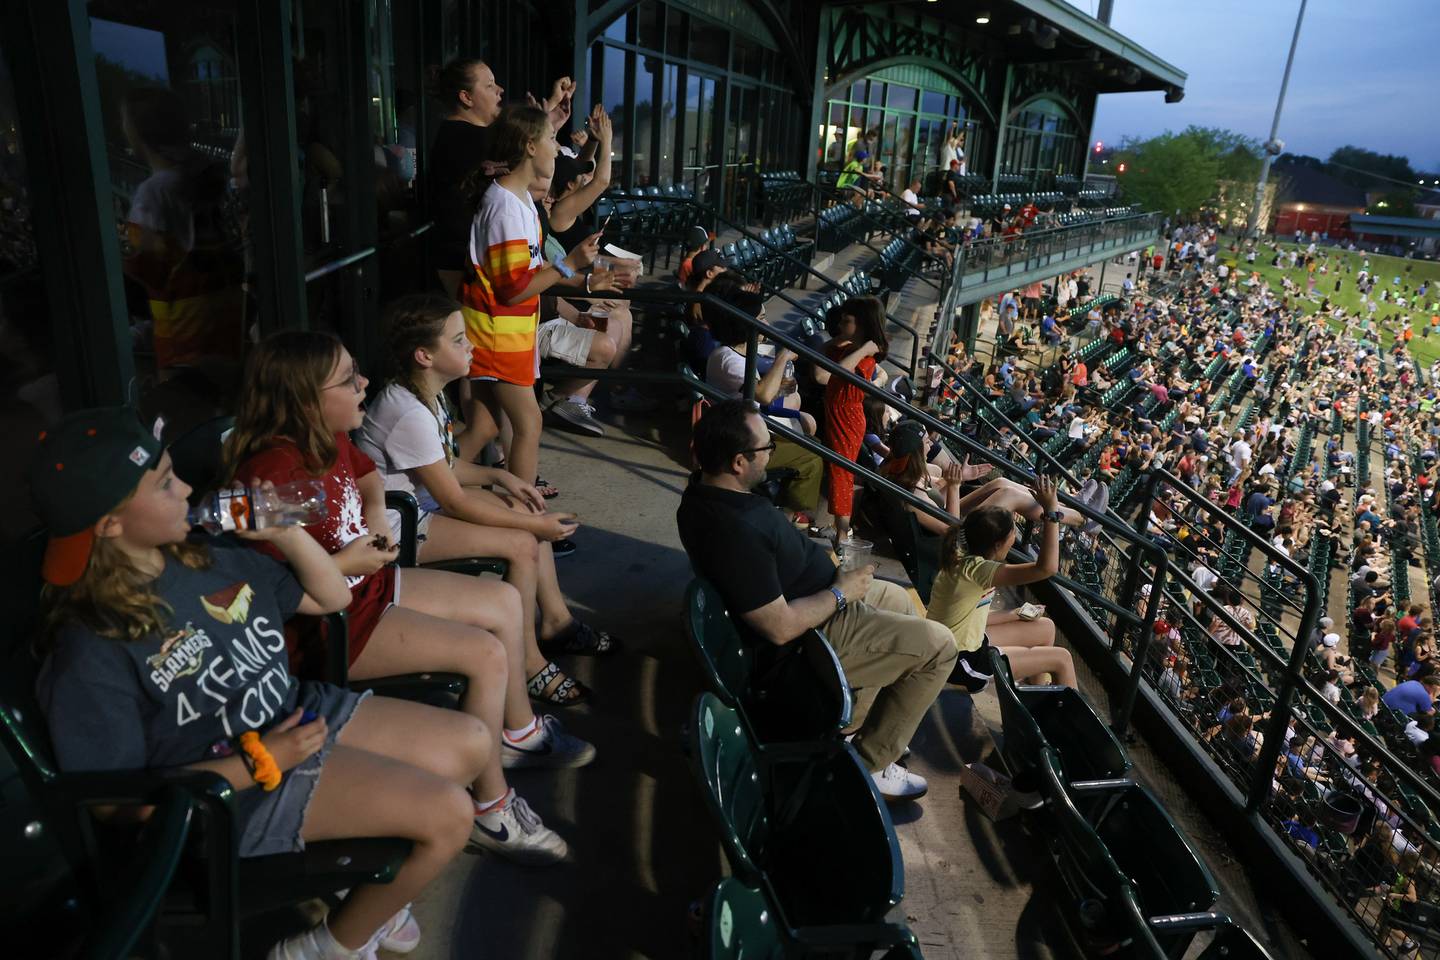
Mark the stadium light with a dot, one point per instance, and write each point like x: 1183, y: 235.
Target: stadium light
x: 982, y: 17
x: 1121, y: 168
x: 1100, y: 145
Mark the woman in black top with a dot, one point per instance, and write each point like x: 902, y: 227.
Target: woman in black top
x: 469, y: 89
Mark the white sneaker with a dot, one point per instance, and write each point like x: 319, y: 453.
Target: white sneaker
x: 317, y: 944
x: 548, y: 746
x: 897, y: 784
x: 516, y: 832
x: 401, y: 934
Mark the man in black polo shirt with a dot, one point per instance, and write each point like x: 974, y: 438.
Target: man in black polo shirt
x: 779, y: 584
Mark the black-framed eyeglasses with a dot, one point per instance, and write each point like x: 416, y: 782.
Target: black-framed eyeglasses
x: 352, y: 381
x: 768, y: 448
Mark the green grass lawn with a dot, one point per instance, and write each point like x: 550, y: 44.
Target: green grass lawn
x: 1425, y: 351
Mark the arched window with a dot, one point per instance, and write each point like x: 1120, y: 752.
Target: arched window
x: 908, y: 111
x: 1042, y: 141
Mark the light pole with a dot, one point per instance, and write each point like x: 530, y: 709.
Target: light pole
x: 1273, y: 147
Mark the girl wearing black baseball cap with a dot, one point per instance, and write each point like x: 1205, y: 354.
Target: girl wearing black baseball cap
x: 162, y: 651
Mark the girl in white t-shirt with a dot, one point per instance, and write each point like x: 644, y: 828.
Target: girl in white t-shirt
x: 408, y: 433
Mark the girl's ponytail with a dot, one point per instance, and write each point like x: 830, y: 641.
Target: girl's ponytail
x: 410, y: 323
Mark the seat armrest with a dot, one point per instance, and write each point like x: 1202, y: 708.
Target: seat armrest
x: 409, y: 509
x: 337, y: 648
x: 158, y: 854
x: 211, y: 795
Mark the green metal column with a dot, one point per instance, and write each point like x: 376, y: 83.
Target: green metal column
x: 817, y: 98
x: 1001, y: 124
x: 47, y: 44
x: 275, y: 248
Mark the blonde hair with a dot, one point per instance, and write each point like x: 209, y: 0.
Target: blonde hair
x: 284, y: 376
x: 113, y: 597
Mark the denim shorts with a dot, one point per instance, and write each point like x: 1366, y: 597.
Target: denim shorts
x: 270, y: 823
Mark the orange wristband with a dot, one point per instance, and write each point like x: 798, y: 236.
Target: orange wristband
x: 266, y: 773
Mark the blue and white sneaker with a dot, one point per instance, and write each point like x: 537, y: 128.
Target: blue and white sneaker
x: 546, y: 746
x: 515, y: 832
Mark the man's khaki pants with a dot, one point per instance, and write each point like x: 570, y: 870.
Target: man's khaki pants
x: 802, y: 493
x: 896, y: 661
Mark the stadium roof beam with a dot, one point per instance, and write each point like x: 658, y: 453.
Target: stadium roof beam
x: 1053, y: 31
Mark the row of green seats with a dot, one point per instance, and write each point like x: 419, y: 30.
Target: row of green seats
x: 808, y: 838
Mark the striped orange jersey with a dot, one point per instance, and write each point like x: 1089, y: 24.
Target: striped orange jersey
x: 505, y: 252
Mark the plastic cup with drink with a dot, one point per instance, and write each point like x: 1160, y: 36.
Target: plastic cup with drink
x: 855, y: 553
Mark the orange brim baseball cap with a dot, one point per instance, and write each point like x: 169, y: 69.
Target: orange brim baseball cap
x: 67, y: 557
x: 85, y: 466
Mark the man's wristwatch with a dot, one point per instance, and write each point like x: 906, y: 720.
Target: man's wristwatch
x: 1055, y: 516
x: 565, y: 269
x: 840, y: 601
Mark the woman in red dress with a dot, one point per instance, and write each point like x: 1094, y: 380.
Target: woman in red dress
x: 859, y: 345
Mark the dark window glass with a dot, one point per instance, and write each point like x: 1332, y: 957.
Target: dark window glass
x: 857, y: 92
x: 615, y: 100
x: 899, y: 97
x: 619, y: 30
x: 650, y: 25
x: 170, y: 105
x: 877, y: 93
x: 675, y: 33
x: 29, y: 392
x: 709, y: 43
x: 932, y: 102
x: 645, y: 118
x: 669, y: 117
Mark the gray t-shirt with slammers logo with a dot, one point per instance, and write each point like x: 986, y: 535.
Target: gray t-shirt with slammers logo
x: 219, y: 668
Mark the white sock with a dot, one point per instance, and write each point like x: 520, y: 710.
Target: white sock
x: 490, y: 805
x: 332, y: 949
x: 515, y: 736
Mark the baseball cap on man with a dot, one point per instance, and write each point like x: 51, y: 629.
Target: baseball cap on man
x: 85, y: 467
x: 703, y: 262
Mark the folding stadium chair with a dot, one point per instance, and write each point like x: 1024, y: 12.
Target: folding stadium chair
x: 917, y: 550
x: 105, y: 884
x: 1156, y: 857
x: 1059, y: 718
x: 740, y: 924
x: 800, y: 695
x: 803, y: 822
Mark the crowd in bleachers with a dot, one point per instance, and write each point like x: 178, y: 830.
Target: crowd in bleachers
x: 1270, y: 415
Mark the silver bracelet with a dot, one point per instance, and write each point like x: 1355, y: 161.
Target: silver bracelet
x: 587, y: 283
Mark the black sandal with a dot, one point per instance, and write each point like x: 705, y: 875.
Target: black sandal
x: 582, y: 639
x: 567, y: 693
x: 546, y: 491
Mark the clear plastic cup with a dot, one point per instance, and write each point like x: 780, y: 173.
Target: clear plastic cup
x: 855, y: 554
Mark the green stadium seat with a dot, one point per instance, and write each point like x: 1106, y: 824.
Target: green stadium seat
x: 205, y: 892
x: 799, y: 695
x: 1090, y: 881
x: 1148, y: 845
x: 741, y: 925
x: 804, y: 822
x: 1059, y: 718
x: 917, y: 550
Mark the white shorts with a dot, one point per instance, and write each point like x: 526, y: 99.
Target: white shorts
x: 559, y: 339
